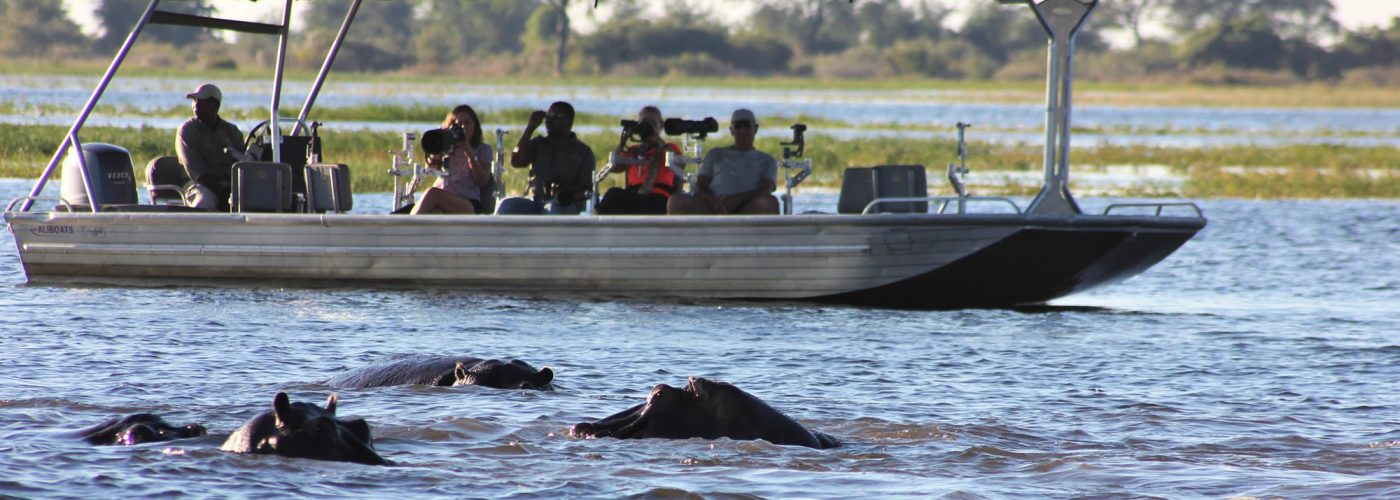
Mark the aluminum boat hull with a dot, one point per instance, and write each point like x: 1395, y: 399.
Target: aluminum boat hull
x: 913, y: 260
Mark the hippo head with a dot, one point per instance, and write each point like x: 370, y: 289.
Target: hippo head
x: 304, y: 430
x: 515, y: 374
x: 703, y: 409
x: 139, y: 428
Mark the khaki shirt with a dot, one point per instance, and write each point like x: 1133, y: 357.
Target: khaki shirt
x: 566, y: 165
x: 201, y: 149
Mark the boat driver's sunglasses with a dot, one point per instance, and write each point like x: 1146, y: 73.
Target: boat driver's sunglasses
x: 742, y: 124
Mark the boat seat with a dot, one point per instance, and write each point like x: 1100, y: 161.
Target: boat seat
x: 862, y: 185
x: 328, y: 188
x: 165, y: 181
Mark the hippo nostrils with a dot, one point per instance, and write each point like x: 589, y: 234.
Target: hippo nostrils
x: 138, y: 428
x: 304, y: 430
x: 447, y: 371
x: 708, y: 410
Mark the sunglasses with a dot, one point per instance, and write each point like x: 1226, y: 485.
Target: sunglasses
x: 742, y: 124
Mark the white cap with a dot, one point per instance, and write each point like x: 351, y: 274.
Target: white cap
x: 206, y: 91
x: 742, y: 114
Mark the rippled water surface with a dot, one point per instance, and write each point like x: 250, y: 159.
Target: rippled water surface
x: 1261, y: 359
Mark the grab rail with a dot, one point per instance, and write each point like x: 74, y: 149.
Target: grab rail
x: 1159, y: 207
x: 11, y: 206
x: 942, y: 201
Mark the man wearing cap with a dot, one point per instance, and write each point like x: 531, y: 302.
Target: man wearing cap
x: 733, y: 180
x: 205, y: 145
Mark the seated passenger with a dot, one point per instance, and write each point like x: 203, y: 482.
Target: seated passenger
x: 207, y: 147
x: 468, y: 168
x: 733, y: 180
x: 649, y: 185
x: 561, y: 166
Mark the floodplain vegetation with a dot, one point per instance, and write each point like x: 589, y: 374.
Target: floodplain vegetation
x: 1235, y: 171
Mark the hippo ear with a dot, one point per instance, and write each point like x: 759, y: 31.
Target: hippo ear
x: 544, y: 377
x: 281, y: 408
x: 331, y: 401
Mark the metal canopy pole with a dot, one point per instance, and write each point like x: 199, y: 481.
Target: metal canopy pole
x: 326, y: 66
x: 1062, y: 20
x: 274, y: 128
x: 87, y: 108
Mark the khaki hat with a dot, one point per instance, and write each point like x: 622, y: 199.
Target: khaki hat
x: 206, y: 91
x: 742, y: 114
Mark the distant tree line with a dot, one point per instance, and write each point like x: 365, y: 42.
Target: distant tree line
x: 1207, y: 40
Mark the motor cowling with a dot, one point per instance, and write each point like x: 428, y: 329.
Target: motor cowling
x: 109, y: 173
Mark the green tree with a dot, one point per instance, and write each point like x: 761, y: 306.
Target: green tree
x: 1371, y: 47
x: 1128, y: 15
x: 36, y: 27
x: 380, y: 38
x: 119, y: 16
x: 1306, y: 19
x: 886, y: 22
x: 1249, y: 43
x: 810, y: 26
x: 451, y: 29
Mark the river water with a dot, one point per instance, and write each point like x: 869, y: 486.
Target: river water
x: 1262, y: 359
x: 872, y: 109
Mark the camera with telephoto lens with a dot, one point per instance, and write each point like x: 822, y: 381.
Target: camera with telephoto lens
x: 441, y: 140
x: 636, y: 130
x: 677, y: 126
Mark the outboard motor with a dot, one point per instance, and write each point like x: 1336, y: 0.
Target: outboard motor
x: 109, y: 174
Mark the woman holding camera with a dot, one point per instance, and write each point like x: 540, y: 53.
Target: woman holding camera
x: 468, y: 168
x: 649, y: 182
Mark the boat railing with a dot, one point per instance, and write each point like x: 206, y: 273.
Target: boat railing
x: 1157, y: 207
x: 943, y: 202
x: 29, y: 200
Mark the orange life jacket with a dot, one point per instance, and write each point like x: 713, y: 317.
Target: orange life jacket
x: 637, y: 174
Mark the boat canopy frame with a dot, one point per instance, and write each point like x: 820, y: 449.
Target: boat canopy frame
x: 153, y: 16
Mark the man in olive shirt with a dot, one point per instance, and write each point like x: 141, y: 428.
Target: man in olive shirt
x: 205, y: 144
x: 561, y: 166
x: 733, y: 180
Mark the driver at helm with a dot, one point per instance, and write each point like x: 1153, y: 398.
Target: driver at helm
x: 207, y: 147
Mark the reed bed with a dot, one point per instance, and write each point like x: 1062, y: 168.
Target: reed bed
x: 1292, y: 171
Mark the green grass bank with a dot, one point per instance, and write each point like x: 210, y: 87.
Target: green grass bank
x: 1293, y: 171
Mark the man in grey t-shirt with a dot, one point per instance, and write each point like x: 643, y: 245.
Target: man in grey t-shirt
x: 733, y: 180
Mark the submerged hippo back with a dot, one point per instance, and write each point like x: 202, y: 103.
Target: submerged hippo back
x: 414, y: 370
x: 704, y: 409
x: 446, y: 371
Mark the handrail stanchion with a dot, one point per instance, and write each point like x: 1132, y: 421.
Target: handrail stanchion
x: 91, y: 103
x: 959, y: 169
x: 792, y: 159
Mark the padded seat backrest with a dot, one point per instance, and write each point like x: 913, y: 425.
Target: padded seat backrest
x: 328, y: 188
x: 260, y: 186
x: 860, y: 186
x: 165, y: 181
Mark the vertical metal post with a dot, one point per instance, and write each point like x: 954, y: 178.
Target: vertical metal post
x: 1062, y: 20
x: 326, y: 66
x: 87, y: 108
x: 77, y: 143
x: 275, y: 129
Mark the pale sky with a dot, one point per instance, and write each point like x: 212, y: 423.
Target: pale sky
x: 1351, y: 13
